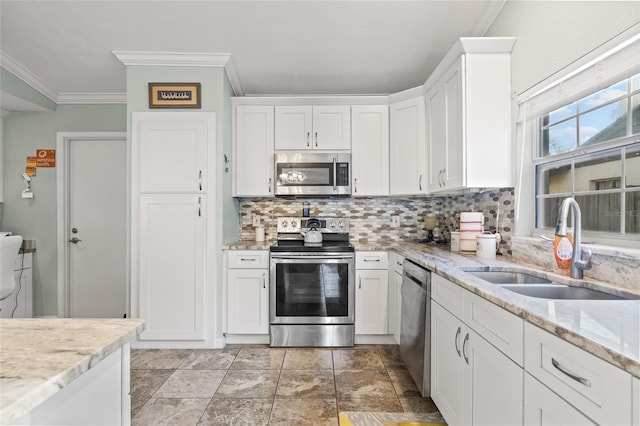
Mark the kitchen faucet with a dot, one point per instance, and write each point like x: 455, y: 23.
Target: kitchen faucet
x: 577, y: 263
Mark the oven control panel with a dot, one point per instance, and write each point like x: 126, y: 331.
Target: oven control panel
x: 337, y: 225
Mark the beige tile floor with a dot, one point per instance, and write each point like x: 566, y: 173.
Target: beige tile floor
x: 258, y: 385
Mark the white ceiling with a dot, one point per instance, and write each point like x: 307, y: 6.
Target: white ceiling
x: 277, y: 47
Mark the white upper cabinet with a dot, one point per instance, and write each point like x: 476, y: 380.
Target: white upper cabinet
x: 469, y: 117
x: 326, y: 127
x: 370, y: 150
x: 253, y: 155
x: 173, y: 153
x: 407, y: 148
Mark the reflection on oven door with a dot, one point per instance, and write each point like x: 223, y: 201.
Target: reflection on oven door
x: 312, y: 290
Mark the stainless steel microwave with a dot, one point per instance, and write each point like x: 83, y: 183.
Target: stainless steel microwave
x: 312, y: 173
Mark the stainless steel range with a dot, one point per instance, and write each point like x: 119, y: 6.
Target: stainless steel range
x: 312, y: 292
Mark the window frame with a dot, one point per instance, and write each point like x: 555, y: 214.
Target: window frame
x: 580, y: 152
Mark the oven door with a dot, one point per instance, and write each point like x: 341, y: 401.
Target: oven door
x: 312, y: 288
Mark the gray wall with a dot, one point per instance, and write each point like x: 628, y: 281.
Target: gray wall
x: 549, y: 36
x: 23, y: 133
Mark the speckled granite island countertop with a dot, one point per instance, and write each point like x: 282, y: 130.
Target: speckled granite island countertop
x: 609, y: 329
x: 39, y: 357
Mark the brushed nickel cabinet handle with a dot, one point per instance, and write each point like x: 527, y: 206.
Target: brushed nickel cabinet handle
x: 456, y: 340
x: 571, y: 375
x: 308, y: 136
x: 264, y: 280
x: 270, y: 179
x: 199, y: 206
x: 200, y: 180
x: 420, y: 183
x: 464, y: 348
x: 316, y: 139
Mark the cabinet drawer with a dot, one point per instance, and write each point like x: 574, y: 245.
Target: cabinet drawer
x: 501, y: 328
x: 595, y: 387
x: 447, y: 294
x: 21, y: 263
x: 248, y: 259
x: 372, y: 260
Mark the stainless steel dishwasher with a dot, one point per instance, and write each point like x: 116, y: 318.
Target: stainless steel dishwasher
x: 415, y: 324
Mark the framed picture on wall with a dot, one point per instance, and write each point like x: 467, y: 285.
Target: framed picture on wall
x: 174, y: 95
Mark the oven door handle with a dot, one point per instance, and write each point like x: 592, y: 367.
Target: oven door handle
x: 311, y: 256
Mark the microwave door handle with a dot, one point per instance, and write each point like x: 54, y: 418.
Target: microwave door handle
x: 335, y: 175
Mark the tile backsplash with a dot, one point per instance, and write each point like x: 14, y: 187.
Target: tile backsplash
x: 371, y: 217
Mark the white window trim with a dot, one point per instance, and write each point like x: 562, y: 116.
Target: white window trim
x: 613, y: 61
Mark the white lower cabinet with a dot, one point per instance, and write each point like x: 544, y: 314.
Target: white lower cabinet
x: 372, y: 288
x: 248, y: 292
x: 472, y: 381
x: 577, y: 384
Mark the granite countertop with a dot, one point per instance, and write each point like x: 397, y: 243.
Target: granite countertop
x: 38, y: 357
x: 609, y: 329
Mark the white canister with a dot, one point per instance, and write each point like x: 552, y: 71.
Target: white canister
x: 260, y: 234
x: 455, y: 241
x: 486, y: 246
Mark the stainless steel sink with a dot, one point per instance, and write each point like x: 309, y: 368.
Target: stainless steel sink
x: 509, y: 277
x: 529, y: 284
x: 560, y: 291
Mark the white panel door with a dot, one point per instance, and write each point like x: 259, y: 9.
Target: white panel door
x: 370, y: 150
x: 96, y: 228
x: 447, y: 365
x: 455, y: 156
x: 436, y: 137
x: 254, y: 151
x: 407, y: 147
x: 293, y: 127
x: 494, y: 382
x: 172, y: 152
x: 171, y: 275
x: 332, y: 127
x: 248, y: 301
x: 372, y: 301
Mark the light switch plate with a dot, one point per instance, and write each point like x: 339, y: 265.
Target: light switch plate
x: 395, y: 221
x: 256, y: 220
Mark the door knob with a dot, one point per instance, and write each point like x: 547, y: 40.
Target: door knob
x: 75, y: 240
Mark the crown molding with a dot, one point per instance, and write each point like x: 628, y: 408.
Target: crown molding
x: 175, y: 59
x: 184, y: 59
x: 92, y: 98
x: 27, y: 76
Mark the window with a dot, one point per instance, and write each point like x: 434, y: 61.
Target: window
x: 589, y: 149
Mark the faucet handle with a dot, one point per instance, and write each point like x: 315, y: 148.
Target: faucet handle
x: 584, y: 264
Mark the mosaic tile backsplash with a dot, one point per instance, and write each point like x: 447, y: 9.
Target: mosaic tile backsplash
x: 371, y: 217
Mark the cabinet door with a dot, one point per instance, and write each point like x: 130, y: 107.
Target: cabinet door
x: 436, y: 136
x: 455, y: 156
x: 447, y: 365
x: 545, y: 408
x: 407, y: 162
x: 370, y: 150
x: 253, y: 171
x: 372, y: 301
x: 495, y: 383
x: 171, y: 268
x: 171, y: 151
x: 247, y: 301
x: 293, y: 127
x: 332, y: 127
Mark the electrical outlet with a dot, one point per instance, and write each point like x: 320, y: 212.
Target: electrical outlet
x: 395, y: 221
x: 256, y: 220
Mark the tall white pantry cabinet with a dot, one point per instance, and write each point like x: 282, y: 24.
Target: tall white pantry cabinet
x: 170, y: 185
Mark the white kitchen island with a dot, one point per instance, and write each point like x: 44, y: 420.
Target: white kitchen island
x: 66, y: 371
